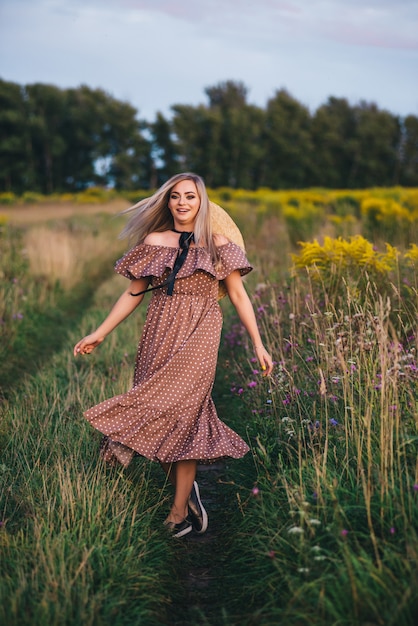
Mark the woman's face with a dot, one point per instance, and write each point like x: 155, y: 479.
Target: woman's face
x: 184, y: 204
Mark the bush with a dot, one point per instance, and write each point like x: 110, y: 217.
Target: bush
x: 388, y: 220
x: 94, y: 195
x: 7, y: 197
x: 303, y: 220
x: 31, y: 197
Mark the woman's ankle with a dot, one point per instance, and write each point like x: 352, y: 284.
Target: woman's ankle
x: 176, y: 516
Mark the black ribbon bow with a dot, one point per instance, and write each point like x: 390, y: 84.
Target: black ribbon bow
x: 184, y: 243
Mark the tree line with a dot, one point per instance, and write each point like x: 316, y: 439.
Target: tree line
x: 55, y: 140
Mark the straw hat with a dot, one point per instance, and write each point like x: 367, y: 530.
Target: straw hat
x: 223, y: 224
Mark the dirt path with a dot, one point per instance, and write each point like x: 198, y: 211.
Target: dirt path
x: 202, y: 575
x: 208, y: 567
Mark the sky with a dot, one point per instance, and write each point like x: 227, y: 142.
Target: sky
x: 158, y: 53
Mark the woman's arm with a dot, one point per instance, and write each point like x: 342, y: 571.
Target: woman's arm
x: 120, y: 311
x: 244, y: 308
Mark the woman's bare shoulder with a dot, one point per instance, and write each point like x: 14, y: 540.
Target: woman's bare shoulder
x: 164, y: 238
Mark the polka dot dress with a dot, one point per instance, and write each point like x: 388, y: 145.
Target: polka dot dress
x: 169, y: 414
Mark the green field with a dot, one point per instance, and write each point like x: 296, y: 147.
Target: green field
x: 317, y: 525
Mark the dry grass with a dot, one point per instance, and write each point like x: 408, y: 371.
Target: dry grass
x: 33, y: 214
x: 62, y: 255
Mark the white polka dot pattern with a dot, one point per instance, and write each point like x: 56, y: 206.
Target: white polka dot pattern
x: 169, y: 414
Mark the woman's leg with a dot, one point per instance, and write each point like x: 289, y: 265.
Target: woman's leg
x: 184, y: 475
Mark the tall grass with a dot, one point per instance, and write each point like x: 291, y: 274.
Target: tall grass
x: 62, y: 255
x: 328, y: 498
x: 333, y: 518
x: 81, y: 543
x: 47, y: 275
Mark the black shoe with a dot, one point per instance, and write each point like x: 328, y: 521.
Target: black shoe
x: 180, y: 529
x: 197, y: 513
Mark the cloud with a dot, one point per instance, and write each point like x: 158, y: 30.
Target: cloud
x: 156, y: 53
x: 380, y: 23
x: 368, y: 23
x: 373, y: 24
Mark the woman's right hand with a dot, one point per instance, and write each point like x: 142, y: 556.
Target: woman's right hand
x: 88, y: 343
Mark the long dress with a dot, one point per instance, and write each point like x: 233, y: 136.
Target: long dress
x: 169, y: 414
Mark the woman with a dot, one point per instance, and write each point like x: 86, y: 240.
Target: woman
x: 169, y: 416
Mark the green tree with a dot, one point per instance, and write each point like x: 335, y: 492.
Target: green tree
x: 409, y: 152
x: 124, y: 146
x: 287, y: 143
x: 197, y: 130
x: 46, y: 106
x: 165, y: 154
x: 57, y: 140
x: 16, y: 171
x: 238, y: 153
x: 221, y: 141
x: 377, y: 141
x: 104, y: 141
x: 333, y: 132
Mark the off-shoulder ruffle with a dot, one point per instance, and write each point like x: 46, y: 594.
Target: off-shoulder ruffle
x: 150, y: 260
x: 232, y: 258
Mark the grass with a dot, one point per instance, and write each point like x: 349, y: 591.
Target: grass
x: 80, y: 542
x: 52, y: 211
x: 317, y: 525
x: 49, y: 276
x: 332, y: 524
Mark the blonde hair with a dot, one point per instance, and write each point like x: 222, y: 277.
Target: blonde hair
x: 153, y: 215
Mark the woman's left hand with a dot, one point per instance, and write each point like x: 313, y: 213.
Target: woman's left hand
x: 265, y: 360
